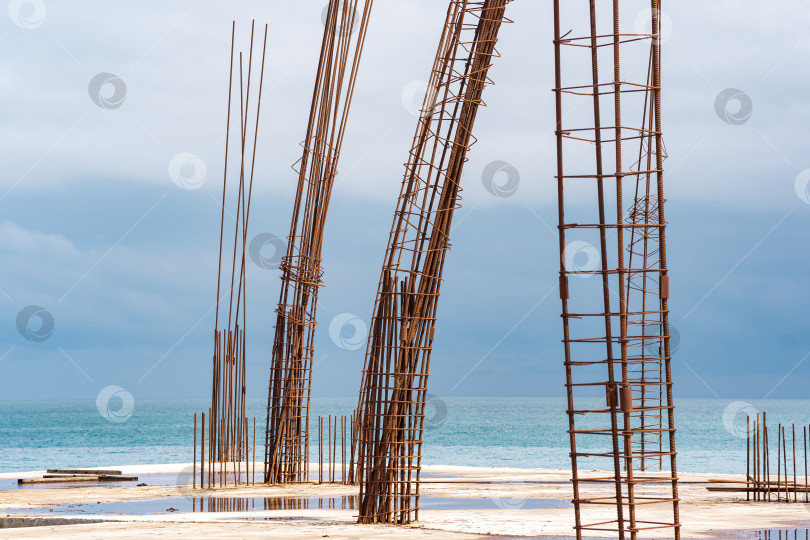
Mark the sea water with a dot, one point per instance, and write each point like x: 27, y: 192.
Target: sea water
x: 472, y: 431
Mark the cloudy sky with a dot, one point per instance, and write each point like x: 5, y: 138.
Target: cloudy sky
x: 98, y: 237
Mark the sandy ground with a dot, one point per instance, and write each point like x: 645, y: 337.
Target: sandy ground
x: 704, y: 514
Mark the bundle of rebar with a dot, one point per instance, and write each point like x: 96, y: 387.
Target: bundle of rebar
x: 759, y: 481
x: 616, y: 353
x: 338, y: 428
x: 221, y: 472
x: 287, y: 428
x: 392, y: 399
x: 227, y: 421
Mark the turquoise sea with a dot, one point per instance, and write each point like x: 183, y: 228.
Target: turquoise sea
x: 473, y: 431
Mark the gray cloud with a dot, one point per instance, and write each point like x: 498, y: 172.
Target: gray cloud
x: 77, y: 177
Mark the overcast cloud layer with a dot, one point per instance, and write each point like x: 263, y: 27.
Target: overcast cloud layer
x: 94, y: 230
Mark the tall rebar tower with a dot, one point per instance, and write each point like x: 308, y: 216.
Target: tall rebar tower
x: 287, y: 428
x: 614, y: 305
x: 392, y: 396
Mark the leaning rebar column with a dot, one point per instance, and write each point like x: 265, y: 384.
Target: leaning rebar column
x: 287, y: 430
x: 615, y: 331
x: 392, y: 399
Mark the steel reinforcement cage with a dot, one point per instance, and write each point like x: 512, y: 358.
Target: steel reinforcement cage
x: 392, y: 396
x: 614, y: 283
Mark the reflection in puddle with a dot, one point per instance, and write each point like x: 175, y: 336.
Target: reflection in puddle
x: 351, y: 502
x: 782, y: 534
x: 166, y: 479
x: 244, y: 504
x: 249, y: 504
x: 165, y: 505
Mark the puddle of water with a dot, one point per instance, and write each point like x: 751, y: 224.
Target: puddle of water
x: 427, y: 502
x: 257, y: 518
x: 166, y: 505
x: 766, y: 534
x: 248, y: 504
x: 779, y: 534
x: 550, y: 538
x: 159, y: 479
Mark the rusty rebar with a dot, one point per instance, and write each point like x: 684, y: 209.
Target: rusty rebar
x: 622, y: 348
x: 227, y: 434
x: 287, y: 429
x: 390, y: 414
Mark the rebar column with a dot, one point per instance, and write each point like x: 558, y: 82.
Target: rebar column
x: 392, y: 397
x: 614, y: 304
x: 287, y: 428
